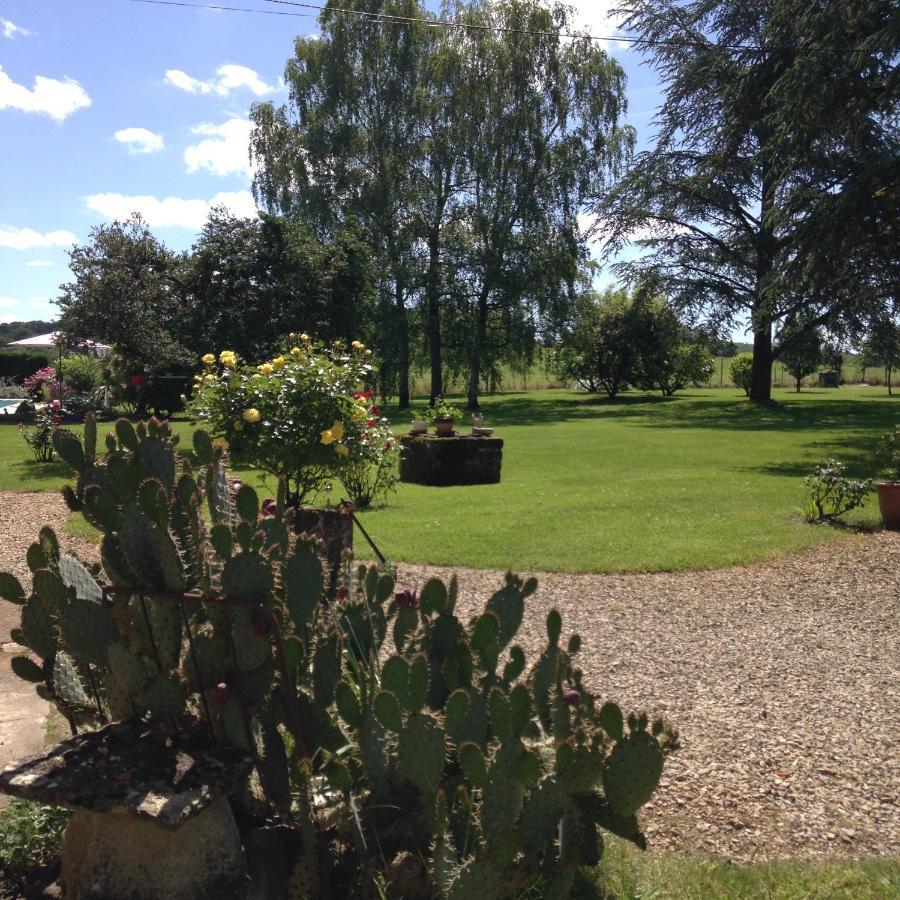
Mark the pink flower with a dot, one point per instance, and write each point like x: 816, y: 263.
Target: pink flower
x: 269, y: 507
x: 573, y: 698
x: 343, y: 592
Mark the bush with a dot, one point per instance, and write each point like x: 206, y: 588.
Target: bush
x: 288, y: 416
x: 742, y: 371
x: 44, y: 385
x: 20, y: 364
x: 39, y: 436
x: 83, y: 373
x: 9, y: 390
x: 30, y: 836
x: 370, y: 472
x: 831, y: 494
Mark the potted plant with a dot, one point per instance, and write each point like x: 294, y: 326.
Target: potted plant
x: 443, y: 415
x: 888, y: 486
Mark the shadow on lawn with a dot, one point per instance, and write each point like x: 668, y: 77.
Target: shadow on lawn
x: 653, y: 411
x: 44, y: 476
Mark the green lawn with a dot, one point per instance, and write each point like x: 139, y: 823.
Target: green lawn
x: 643, y: 484
x: 627, y: 874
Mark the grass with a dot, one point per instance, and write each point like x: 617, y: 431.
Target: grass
x: 646, y: 483
x: 627, y: 874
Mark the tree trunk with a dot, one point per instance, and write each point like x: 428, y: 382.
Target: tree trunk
x: 888, y: 371
x: 402, y: 348
x: 433, y: 323
x: 477, y: 348
x: 798, y: 384
x: 763, y: 357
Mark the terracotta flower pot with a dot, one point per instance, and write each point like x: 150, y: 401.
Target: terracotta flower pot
x: 443, y: 427
x: 889, y: 503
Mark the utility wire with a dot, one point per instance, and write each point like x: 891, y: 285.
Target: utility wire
x: 262, y: 12
x: 390, y: 19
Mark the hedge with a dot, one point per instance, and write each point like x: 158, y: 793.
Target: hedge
x: 20, y: 364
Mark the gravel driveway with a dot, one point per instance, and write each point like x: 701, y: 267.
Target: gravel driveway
x: 782, y: 678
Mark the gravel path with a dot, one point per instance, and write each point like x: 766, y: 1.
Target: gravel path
x: 782, y: 679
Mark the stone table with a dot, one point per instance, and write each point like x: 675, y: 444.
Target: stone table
x: 456, y: 459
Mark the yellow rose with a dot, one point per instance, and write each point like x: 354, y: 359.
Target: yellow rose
x: 251, y: 415
x: 208, y: 359
x: 265, y: 369
x: 342, y: 450
x: 357, y: 345
x: 327, y: 437
x: 209, y: 377
x: 278, y: 362
x: 337, y: 430
x: 368, y: 352
x: 228, y: 358
x: 198, y: 378
x: 238, y: 425
x: 296, y: 352
x: 304, y: 337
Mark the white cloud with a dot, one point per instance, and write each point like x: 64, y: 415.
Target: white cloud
x: 40, y: 263
x: 594, y: 16
x: 29, y: 239
x: 172, y: 212
x: 8, y: 301
x: 50, y: 96
x: 10, y: 29
x: 140, y: 140
x: 225, y: 151
x: 228, y: 78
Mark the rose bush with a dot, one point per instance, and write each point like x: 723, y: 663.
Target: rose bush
x: 369, y: 471
x: 292, y: 415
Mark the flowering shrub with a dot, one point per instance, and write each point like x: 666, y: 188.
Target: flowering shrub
x: 291, y: 415
x: 40, y: 435
x: 369, y: 472
x: 831, y: 494
x: 43, y: 384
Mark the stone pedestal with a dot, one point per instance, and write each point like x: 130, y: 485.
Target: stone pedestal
x: 151, y: 813
x: 443, y: 461
x: 111, y: 855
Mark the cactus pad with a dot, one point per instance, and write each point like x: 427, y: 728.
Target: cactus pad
x: 27, y: 669
x: 76, y: 575
x: 87, y: 631
x: 11, y: 589
x: 632, y: 772
x: 421, y: 752
x: 304, y: 583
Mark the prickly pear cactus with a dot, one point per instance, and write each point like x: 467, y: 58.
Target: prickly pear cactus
x: 413, y: 752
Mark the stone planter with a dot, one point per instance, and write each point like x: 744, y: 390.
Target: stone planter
x: 443, y: 427
x: 443, y: 461
x: 889, y: 503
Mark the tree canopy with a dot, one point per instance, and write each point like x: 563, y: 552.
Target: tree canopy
x: 768, y: 196
x: 466, y: 154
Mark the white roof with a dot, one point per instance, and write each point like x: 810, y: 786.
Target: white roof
x: 51, y: 341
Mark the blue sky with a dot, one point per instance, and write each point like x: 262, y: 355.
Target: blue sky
x: 109, y: 106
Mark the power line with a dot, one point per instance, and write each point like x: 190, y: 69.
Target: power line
x: 376, y: 18
x: 262, y: 12
x: 449, y: 23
